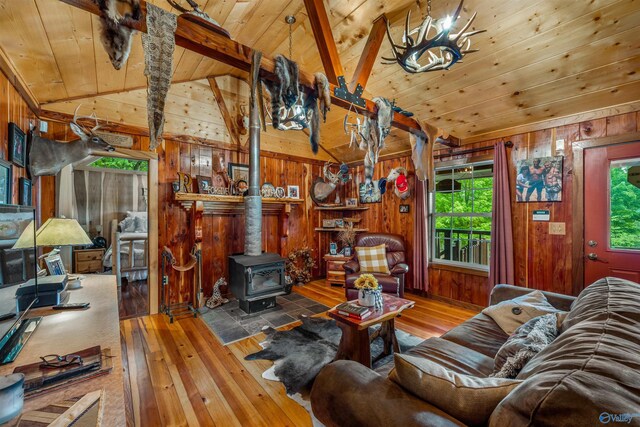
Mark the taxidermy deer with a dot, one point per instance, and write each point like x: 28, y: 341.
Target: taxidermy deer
x: 48, y: 157
x: 116, y: 38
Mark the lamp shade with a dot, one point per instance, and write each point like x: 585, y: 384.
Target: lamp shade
x: 25, y: 240
x: 61, y: 232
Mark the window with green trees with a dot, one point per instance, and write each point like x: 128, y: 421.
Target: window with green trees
x: 461, y: 217
x: 625, y: 207
x: 123, y: 164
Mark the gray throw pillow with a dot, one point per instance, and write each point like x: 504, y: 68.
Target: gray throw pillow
x: 527, y: 341
x: 128, y: 225
x: 140, y: 224
x: 512, y: 314
x: 470, y: 399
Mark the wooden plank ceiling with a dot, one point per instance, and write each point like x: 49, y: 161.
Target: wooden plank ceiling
x: 538, y: 60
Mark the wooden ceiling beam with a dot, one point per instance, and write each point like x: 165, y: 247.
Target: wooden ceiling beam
x: 324, y: 39
x: 194, y: 37
x: 224, y: 111
x: 369, y: 54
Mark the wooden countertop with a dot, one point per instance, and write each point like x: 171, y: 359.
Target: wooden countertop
x: 64, y: 332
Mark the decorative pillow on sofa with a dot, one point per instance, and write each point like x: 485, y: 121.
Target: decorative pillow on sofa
x: 512, y: 314
x: 127, y: 225
x: 372, y: 259
x: 470, y: 399
x: 527, y: 341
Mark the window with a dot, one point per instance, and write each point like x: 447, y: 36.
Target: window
x: 124, y: 164
x: 624, y: 215
x: 461, y: 217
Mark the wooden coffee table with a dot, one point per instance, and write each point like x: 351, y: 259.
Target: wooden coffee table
x: 355, y: 343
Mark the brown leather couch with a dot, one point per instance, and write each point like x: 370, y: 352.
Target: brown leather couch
x: 391, y: 283
x: 590, y: 371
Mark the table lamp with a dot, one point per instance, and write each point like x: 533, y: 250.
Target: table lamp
x: 54, y: 232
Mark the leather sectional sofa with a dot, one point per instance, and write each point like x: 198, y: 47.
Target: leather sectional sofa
x: 589, y: 375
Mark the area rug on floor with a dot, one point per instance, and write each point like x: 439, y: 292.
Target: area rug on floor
x: 229, y: 323
x: 300, y: 353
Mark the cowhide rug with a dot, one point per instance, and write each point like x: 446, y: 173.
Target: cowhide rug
x: 300, y: 353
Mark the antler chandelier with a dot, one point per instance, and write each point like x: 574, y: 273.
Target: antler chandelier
x: 444, y: 49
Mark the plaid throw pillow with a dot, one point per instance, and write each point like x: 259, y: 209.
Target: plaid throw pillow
x: 372, y: 259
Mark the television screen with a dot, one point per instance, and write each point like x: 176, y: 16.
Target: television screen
x: 16, y: 265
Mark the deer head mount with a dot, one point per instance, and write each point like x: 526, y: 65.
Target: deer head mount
x: 444, y: 49
x: 48, y: 157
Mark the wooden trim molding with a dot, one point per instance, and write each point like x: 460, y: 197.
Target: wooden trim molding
x: 16, y: 80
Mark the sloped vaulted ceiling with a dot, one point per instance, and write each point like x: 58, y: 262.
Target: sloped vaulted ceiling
x: 538, y: 60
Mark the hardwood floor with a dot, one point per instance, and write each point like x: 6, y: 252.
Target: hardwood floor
x: 180, y: 374
x: 133, y: 299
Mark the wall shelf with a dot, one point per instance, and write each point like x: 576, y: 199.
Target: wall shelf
x: 232, y: 205
x: 357, y: 230
x: 342, y: 208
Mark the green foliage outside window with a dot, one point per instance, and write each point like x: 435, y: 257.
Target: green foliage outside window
x: 625, y: 210
x: 462, y: 213
x: 123, y: 164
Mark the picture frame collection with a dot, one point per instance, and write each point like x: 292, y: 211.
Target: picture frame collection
x: 17, y: 156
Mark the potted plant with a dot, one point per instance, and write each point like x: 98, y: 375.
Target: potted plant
x: 369, y: 291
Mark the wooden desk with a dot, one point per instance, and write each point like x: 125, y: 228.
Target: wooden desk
x: 63, y: 332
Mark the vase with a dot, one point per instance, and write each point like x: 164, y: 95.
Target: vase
x: 370, y: 298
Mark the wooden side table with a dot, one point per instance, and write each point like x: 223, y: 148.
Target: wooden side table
x: 355, y: 343
x: 86, y: 261
x: 335, y: 273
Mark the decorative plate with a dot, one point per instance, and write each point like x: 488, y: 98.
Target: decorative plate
x: 268, y: 190
x: 9, y: 230
x: 280, y: 192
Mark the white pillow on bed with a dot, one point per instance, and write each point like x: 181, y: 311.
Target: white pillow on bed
x: 127, y: 225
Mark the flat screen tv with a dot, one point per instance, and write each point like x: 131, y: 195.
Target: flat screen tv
x: 17, y: 267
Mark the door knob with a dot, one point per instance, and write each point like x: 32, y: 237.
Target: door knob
x: 594, y: 257
x: 592, y: 243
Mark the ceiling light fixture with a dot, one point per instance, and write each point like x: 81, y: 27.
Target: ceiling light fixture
x: 443, y: 49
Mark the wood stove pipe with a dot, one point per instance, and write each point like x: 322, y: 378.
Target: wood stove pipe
x: 253, y: 200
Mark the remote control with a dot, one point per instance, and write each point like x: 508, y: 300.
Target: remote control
x: 71, y: 306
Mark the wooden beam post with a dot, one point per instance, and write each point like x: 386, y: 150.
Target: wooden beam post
x: 228, y: 120
x: 324, y: 39
x: 369, y: 54
x: 199, y: 39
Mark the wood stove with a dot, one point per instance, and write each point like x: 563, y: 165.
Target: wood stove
x: 256, y: 280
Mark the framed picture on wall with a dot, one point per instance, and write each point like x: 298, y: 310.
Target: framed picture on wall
x: 204, y: 184
x: 539, y: 179
x: 25, y: 191
x: 6, y: 182
x: 293, y: 191
x: 17, y: 145
x: 369, y: 193
x: 238, y: 172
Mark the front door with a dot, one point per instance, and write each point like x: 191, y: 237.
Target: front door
x: 612, y: 212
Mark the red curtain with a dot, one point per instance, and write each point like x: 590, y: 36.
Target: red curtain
x: 421, y: 237
x: 501, y: 265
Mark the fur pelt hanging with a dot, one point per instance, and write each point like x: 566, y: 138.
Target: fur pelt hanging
x: 116, y: 38
x: 323, y: 90
x: 283, y: 90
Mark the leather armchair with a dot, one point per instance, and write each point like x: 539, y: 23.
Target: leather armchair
x: 391, y: 283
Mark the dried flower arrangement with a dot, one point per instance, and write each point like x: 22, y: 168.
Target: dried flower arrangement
x: 299, y: 264
x: 347, y: 236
